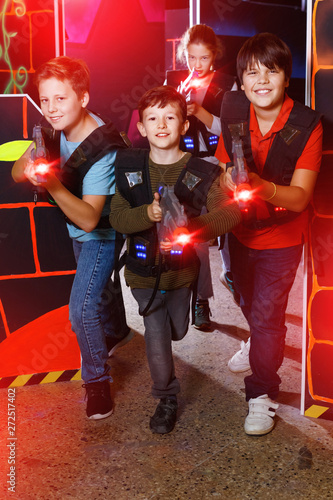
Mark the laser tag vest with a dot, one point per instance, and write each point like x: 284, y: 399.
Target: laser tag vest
x: 191, y: 189
x: 282, y: 157
x: 101, y: 141
x: 212, y: 103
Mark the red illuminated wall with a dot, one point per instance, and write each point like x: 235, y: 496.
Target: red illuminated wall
x: 36, y: 264
x: 319, y: 366
x: 124, y: 45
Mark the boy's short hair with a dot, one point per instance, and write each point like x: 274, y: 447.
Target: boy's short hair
x: 64, y: 68
x: 269, y: 50
x: 161, y: 97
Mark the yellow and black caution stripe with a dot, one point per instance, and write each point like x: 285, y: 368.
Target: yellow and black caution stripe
x: 318, y: 411
x: 40, y: 378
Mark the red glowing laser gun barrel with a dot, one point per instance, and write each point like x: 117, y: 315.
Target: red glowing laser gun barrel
x: 240, y: 176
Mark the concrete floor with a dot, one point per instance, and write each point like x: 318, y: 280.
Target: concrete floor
x: 60, y: 454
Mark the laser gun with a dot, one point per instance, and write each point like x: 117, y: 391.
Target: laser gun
x: 39, y: 155
x: 243, y: 194
x: 174, y: 220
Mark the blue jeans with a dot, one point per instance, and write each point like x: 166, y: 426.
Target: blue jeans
x: 90, y: 305
x: 166, y: 320
x: 263, y: 278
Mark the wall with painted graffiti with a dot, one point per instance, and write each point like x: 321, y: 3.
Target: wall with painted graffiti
x: 36, y: 264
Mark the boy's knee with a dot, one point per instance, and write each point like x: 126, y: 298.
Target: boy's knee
x: 179, y: 334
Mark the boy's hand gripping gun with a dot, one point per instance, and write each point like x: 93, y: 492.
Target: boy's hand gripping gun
x: 174, y: 220
x: 243, y: 194
x: 39, y: 155
x: 39, y: 158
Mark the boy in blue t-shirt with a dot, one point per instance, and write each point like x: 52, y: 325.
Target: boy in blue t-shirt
x: 63, y: 85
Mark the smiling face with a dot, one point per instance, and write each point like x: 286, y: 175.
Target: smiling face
x: 60, y: 104
x: 264, y: 87
x: 199, y: 58
x: 163, y: 126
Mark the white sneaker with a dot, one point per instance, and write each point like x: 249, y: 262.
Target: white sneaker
x: 260, y: 419
x: 240, y: 361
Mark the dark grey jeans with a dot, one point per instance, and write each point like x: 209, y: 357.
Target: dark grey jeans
x: 166, y: 320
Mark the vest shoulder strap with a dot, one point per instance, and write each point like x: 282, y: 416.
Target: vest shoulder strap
x: 132, y: 176
x: 194, y: 183
x: 286, y: 148
x: 101, y: 141
x: 235, y: 107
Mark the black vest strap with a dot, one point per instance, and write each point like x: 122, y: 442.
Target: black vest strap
x: 220, y: 83
x: 132, y: 176
x: 286, y: 148
x: 52, y: 142
x: 101, y: 141
x: 133, y: 183
x: 133, y: 180
x: 194, y: 200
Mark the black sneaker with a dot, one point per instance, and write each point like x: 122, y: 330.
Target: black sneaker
x: 99, y: 402
x: 112, y: 343
x: 165, y: 416
x: 202, y: 313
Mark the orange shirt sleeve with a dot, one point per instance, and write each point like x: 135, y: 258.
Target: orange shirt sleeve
x: 221, y: 153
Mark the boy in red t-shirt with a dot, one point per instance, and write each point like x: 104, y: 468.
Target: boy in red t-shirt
x: 283, y: 145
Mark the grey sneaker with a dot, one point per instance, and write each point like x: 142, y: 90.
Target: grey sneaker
x: 165, y: 416
x: 240, y: 361
x: 202, y: 314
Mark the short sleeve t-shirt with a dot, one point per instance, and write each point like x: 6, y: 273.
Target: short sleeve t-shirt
x: 99, y: 180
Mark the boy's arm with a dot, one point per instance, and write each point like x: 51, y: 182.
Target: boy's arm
x: 85, y: 212
x: 297, y: 196
x: 223, y: 214
x: 201, y: 113
x: 128, y: 220
x: 20, y: 165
